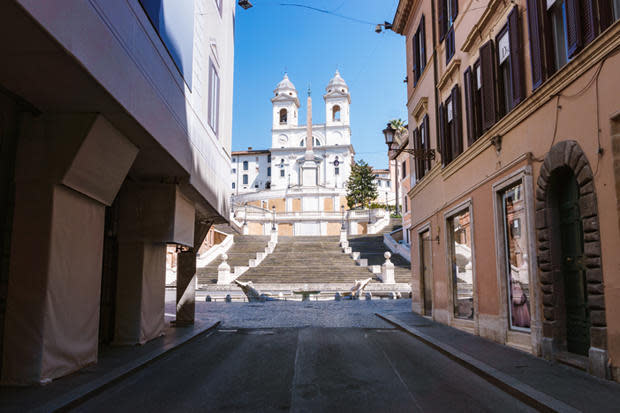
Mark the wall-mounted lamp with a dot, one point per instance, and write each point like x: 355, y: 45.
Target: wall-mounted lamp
x: 245, y: 4
x: 379, y: 28
x: 496, y: 141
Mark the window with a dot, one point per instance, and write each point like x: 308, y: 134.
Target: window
x: 336, y: 171
x: 234, y: 160
x: 282, y: 172
x: 559, y: 29
x: 419, y: 51
x: 234, y: 170
x: 389, y: 184
x: 336, y: 113
x: 233, y: 185
x: 245, y: 179
x: 421, y: 142
x: 214, y: 98
x: 448, y: 10
x: 269, y: 158
x: 255, y: 185
x: 556, y: 11
x: 283, y: 116
x: 404, y: 169
x: 461, y: 263
x: 245, y: 165
x: 406, y: 199
x: 503, y: 73
x: 616, y: 7
x: 450, y: 132
x: 517, y: 267
x: 269, y: 171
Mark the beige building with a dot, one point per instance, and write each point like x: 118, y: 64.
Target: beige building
x: 115, y: 128
x: 515, y: 225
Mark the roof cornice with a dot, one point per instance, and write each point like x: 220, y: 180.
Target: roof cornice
x: 403, y: 11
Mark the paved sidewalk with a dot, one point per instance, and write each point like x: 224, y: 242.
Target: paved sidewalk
x: 114, y: 364
x: 552, y: 386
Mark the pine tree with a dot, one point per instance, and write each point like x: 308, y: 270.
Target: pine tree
x: 361, y: 186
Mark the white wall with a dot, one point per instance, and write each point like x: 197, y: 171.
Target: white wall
x: 124, y: 53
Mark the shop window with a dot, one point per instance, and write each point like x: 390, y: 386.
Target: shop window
x: 515, y: 257
x: 461, y: 263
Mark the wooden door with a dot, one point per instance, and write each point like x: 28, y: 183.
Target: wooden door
x: 573, y: 270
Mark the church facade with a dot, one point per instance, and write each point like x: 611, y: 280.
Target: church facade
x: 298, y: 185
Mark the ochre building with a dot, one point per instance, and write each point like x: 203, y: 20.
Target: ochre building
x: 515, y: 227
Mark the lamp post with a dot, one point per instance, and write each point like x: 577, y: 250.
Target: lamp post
x: 342, y: 224
x: 389, y: 132
x: 273, y: 218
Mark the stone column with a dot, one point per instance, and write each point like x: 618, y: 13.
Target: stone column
x: 186, y: 276
x: 68, y: 168
x: 151, y: 215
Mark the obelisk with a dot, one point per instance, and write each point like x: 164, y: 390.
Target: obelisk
x: 309, y: 144
x: 309, y: 168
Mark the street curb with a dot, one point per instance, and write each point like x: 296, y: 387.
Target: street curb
x: 510, y: 385
x: 88, y: 390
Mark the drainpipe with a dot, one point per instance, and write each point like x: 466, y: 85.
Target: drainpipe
x: 433, y: 20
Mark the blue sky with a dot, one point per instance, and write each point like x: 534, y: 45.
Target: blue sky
x: 310, y: 46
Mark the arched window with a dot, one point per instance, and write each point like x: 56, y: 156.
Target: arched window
x: 336, y: 113
x: 283, y: 115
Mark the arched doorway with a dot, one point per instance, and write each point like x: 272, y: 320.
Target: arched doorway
x: 572, y: 286
x: 569, y: 260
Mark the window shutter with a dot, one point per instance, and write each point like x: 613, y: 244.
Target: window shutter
x: 416, y: 146
x: 487, y: 66
x: 573, y: 27
x: 536, y: 50
x: 442, y: 133
x: 457, y: 129
x: 449, y: 45
x: 415, y: 59
x: 605, y: 13
x: 441, y: 6
x: 588, y: 22
x: 423, y: 44
x: 516, y: 57
x: 469, y: 106
x: 427, y: 143
x: 455, y: 9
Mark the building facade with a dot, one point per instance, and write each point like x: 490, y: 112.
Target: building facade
x: 515, y: 224
x: 270, y: 184
x: 385, y: 188
x: 119, y: 146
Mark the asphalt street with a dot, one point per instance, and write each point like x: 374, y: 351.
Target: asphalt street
x: 365, y: 366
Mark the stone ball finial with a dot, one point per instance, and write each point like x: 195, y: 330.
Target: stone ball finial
x: 387, y: 255
x: 224, y: 256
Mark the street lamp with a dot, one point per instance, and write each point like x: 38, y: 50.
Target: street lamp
x: 389, y: 133
x: 273, y: 218
x: 342, y: 224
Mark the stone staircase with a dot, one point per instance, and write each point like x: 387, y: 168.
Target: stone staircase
x: 240, y: 253
x: 307, y: 260
x: 371, y: 248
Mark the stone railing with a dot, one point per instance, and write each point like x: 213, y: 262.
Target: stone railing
x: 401, y: 249
x: 226, y: 276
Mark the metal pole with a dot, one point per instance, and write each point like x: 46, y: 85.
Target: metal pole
x: 396, y: 183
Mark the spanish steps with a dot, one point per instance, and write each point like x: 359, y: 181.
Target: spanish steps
x: 309, y: 260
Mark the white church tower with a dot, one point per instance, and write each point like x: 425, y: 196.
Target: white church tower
x: 285, y: 105
x: 337, y: 102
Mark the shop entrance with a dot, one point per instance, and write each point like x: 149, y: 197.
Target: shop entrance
x: 426, y: 271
